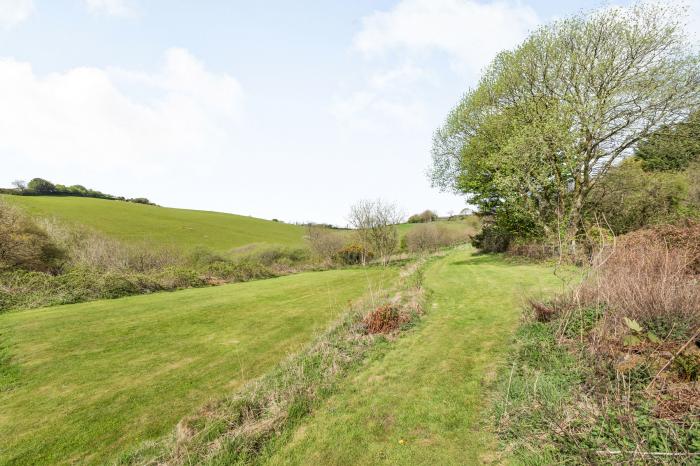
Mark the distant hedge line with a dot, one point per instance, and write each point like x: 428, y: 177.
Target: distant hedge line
x: 41, y: 187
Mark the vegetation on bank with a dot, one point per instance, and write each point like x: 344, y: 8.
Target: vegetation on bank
x: 85, y: 381
x: 44, y: 263
x: 581, y: 145
x: 609, y: 371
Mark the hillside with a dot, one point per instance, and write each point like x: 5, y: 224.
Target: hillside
x: 88, y: 380
x: 162, y: 225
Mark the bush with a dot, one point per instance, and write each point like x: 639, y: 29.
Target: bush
x: 353, y: 254
x: 424, y: 217
x: 492, y: 239
x: 324, y: 242
x: 23, y: 244
x: 627, y: 198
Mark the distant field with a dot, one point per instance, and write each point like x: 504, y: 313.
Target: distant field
x: 471, y: 224
x: 95, y: 378
x: 161, y: 225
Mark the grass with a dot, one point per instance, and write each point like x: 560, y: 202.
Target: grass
x: 424, y: 400
x: 92, y: 379
x: 471, y: 224
x: 180, y: 228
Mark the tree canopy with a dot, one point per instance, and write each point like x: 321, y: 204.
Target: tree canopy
x: 548, y: 118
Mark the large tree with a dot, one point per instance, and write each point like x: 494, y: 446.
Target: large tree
x: 548, y: 118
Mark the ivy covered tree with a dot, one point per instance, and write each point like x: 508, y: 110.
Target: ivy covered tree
x: 547, y: 119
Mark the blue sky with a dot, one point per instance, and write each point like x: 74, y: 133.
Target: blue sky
x: 292, y: 110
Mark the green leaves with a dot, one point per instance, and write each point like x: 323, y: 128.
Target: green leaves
x: 633, y: 325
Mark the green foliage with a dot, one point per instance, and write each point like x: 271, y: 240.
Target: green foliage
x: 551, y: 117
x: 688, y: 366
x: 627, y: 198
x: 41, y: 186
x: 423, y: 217
x: 671, y: 147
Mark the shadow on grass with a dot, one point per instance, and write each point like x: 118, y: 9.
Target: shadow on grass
x: 480, y: 259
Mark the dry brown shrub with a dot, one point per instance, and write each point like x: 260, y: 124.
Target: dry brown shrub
x: 385, y: 319
x: 650, y: 276
x: 91, y: 249
x: 324, y: 242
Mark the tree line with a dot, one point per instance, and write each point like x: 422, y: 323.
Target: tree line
x: 42, y: 187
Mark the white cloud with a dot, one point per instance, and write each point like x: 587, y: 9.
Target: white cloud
x: 110, y: 7
x: 386, y: 98
x: 109, y: 118
x: 15, y: 11
x: 470, y: 32
x: 467, y: 32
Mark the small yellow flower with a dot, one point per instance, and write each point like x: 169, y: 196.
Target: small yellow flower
x: 402, y: 441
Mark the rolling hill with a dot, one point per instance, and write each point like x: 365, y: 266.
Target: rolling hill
x: 161, y: 225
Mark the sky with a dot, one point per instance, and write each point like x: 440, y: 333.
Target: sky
x: 275, y: 109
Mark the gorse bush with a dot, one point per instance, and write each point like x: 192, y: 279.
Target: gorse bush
x: 354, y: 253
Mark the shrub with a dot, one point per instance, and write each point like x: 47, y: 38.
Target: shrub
x: 627, y: 198
x: 23, y: 244
x: 90, y: 249
x: 423, y: 217
x: 353, y: 254
x: 324, y: 242
x: 651, y: 277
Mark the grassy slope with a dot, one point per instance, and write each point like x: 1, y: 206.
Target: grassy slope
x: 162, y: 225
x: 471, y: 224
x: 423, y: 402
x: 97, y: 377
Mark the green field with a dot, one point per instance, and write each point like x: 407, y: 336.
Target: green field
x: 161, y: 225
x: 425, y: 401
x: 95, y: 378
x: 471, y: 224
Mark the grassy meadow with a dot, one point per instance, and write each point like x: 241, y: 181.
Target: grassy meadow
x: 180, y: 228
x: 86, y: 381
x: 424, y: 401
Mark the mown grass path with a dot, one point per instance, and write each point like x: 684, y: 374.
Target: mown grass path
x: 425, y: 400
x: 93, y: 379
